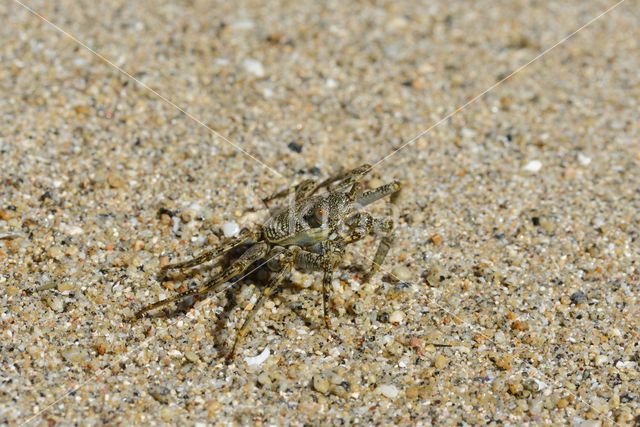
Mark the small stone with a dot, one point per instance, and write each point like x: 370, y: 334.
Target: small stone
x: 72, y: 230
x: 13, y: 290
x: 515, y: 388
x: 321, y: 384
x: 601, y: 359
x: 101, y: 348
x: 578, y: 297
x: 519, y: 325
x: 440, y: 361
x: 253, y: 67
x: 388, y: 390
x: 55, y: 304
x: 436, y: 239
x: 435, y: 276
x: 160, y: 393
x: 138, y: 245
x: 56, y: 253
x: 213, y: 406
x: 412, y: 392
x: 341, y: 389
x: 191, y: 356
x: 164, y: 260
x: 295, y: 147
x: 115, y: 181
x: 259, y: 359
x: 65, y: 286
x: 264, y: 379
x: 584, y: 160
x: 230, y: 229
x: 74, y: 355
x: 397, y: 317
x: 6, y: 215
x: 533, y: 166
x: 504, y: 363
x: 562, y: 403
x: 401, y: 273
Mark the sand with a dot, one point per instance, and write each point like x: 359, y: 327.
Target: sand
x: 510, y: 294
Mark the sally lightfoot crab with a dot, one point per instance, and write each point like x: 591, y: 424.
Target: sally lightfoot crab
x: 310, y: 233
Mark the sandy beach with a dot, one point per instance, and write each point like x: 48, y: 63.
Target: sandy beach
x: 134, y: 134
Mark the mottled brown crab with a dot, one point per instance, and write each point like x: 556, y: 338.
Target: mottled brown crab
x: 309, y: 234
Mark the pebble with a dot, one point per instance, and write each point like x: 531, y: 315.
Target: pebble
x: 601, y: 359
x: 191, y: 356
x: 55, y: 303
x: 56, y: 253
x: 436, y: 239
x: 533, y: 166
x: 397, y: 317
x: 578, y: 297
x: 388, y: 390
x: 160, y: 393
x: 584, y: 160
x: 71, y: 230
x: 504, y: 363
x: 440, y: 361
x: 264, y: 379
x: 230, y: 229
x: 259, y: 359
x: 74, y: 355
x: 115, y: 181
x: 321, y: 384
x: 254, y: 67
x: 401, y: 273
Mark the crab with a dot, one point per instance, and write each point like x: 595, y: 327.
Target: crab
x: 309, y: 234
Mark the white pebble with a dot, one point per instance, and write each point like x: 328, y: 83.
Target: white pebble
x: 533, y: 166
x: 601, y: 360
x: 584, y: 160
x: 254, y: 67
x: 72, y: 230
x: 396, y: 317
x: 388, y: 390
x: 242, y: 24
x: 230, y: 229
x: 331, y: 83
x: 467, y: 133
x: 259, y: 359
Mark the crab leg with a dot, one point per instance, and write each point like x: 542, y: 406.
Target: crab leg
x: 376, y: 194
x: 302, y: 190
x: 215, y: 283
x: 331, y: 255
x: 272, y: 289
x: 245, y: 236
x: 363, y: 224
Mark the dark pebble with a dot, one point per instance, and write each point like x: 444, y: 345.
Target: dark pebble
x: 578, y: 297
x: 295, y: 147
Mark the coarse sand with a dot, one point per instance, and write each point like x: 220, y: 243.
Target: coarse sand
x: 510, y: 294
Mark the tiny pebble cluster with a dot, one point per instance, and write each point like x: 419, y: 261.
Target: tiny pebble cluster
x: 510, y: 294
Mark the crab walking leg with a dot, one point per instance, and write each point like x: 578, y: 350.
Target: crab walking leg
x: 382, y: 251
x: 346, y: 179
x: 215, y: 283
x: 332, y: 252
x: 301, y: 191
x: 245, y: 236
x: 272, y: 289
x: 368, y: 197
x: 362, y: 224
